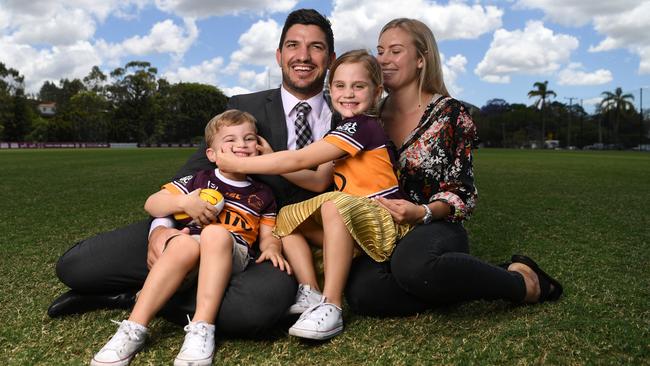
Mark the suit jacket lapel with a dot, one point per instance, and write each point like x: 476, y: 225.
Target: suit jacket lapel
x: 277, y: 123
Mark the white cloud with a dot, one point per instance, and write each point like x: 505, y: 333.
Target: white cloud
x: 577, y: 12
x: 203, y: 9
x: 206, y: 72
x: 535, y: 50
x: 624, y: 23
x: 592, y: 101
x: 574, y: 75
x: 71, y: 61
x: 235, y: 91
x: 164, y: 37
x: 451, y: 69
x: 257, y: 48
x: 258, y: 44
x: 356, y: 23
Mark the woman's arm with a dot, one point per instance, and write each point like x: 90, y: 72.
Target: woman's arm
x: 457, y: 187
x: 280, y: 162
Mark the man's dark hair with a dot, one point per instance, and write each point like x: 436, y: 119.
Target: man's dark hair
x: 309, y: 17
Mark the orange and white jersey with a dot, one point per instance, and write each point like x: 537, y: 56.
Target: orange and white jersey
x: 369, y: 168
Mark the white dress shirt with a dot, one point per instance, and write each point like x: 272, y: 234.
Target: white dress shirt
x: 319, y: 118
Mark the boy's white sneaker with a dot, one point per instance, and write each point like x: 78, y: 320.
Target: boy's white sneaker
x: 125, y: 343
x: 306, y: 297
x: 198, y: 347
x: 321, y: 321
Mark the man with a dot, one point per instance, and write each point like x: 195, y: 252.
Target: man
x: 100, y: 269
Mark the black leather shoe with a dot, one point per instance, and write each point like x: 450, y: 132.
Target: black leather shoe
x: 73, y: 302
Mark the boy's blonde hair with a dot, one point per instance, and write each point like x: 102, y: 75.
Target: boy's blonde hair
x: 231, y: 117
x: 368, y: 61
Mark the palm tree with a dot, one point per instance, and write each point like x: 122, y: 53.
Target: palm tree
x: 619, y: 103
x: 541, y: 93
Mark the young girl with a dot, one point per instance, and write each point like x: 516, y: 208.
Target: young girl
x: 362, y: 170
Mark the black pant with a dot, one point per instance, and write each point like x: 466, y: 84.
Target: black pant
x: 430, y: 266
x: 116, y: 261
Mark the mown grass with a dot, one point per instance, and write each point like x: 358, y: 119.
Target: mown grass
x: 582, y: 215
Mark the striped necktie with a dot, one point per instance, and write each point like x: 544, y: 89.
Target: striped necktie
x: 303, y: 131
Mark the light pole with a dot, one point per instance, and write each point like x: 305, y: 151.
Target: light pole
x: 568, y: 130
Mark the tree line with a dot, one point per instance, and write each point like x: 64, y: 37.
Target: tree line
x: 615, y: 124
x: 133, y: 104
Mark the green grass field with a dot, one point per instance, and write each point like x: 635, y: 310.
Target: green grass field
x: 582, y: 215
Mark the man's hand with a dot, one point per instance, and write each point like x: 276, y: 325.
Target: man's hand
x: 157, y: 240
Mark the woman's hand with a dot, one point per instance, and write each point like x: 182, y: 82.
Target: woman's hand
x: 263, y: 146
x: 403, y: 211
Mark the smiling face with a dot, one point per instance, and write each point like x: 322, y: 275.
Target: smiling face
x: 352, y: 90
x: 304, y: 59
x: 399, y: 59
x: 241, y: 139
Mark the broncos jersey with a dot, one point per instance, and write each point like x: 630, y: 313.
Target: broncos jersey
x: 369, y: 168
x: 248, y: 205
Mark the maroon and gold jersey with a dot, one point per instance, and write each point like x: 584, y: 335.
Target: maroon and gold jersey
x: 248, y: 205
x: 369, y: 168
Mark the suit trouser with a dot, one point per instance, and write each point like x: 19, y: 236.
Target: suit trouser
x: 430, y: 266
x: 116, y: 261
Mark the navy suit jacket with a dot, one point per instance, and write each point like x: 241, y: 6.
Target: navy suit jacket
x: 266, y: 107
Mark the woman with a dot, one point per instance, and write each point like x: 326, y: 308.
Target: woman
x: 434, y: 136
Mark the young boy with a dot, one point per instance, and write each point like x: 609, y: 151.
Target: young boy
x: 219, y: 248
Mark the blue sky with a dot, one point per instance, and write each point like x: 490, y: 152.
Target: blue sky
x: 491, y: 49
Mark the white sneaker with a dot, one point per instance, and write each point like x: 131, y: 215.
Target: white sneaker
x: 198, y: 347
x: 321, y: 321
x: 306, y: 297
x: 127, y: 341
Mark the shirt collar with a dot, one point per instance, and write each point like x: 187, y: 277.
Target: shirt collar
x: 289, y: 101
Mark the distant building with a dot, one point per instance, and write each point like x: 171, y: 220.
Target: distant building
x: 47, y: 109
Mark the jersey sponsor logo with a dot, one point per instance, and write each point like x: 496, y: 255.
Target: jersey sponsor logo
x: 233, y: 218
x: 349, y: 127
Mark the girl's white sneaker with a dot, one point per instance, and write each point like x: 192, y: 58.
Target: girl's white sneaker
x: 321, y: 321
x: 198, y: 347
x: 125, y: 343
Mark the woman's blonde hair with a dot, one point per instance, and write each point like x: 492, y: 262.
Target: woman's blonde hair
x: 368, y: 61
x: 430, y: 75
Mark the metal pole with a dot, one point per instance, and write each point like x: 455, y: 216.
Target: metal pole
x: 580, y: 140
x: 568, y: 130
x: 640, y: 117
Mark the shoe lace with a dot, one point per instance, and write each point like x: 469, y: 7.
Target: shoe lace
x: 197, y: 334
x: 318, y: 311
x: 303, y: 294
x: 125, y: 331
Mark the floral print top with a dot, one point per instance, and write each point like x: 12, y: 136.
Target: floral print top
x: 435, y: 161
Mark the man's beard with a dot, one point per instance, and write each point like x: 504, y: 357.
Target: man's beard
x: 314, y: 87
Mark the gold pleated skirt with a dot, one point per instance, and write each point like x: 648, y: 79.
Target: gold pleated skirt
x: 370, y: 225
